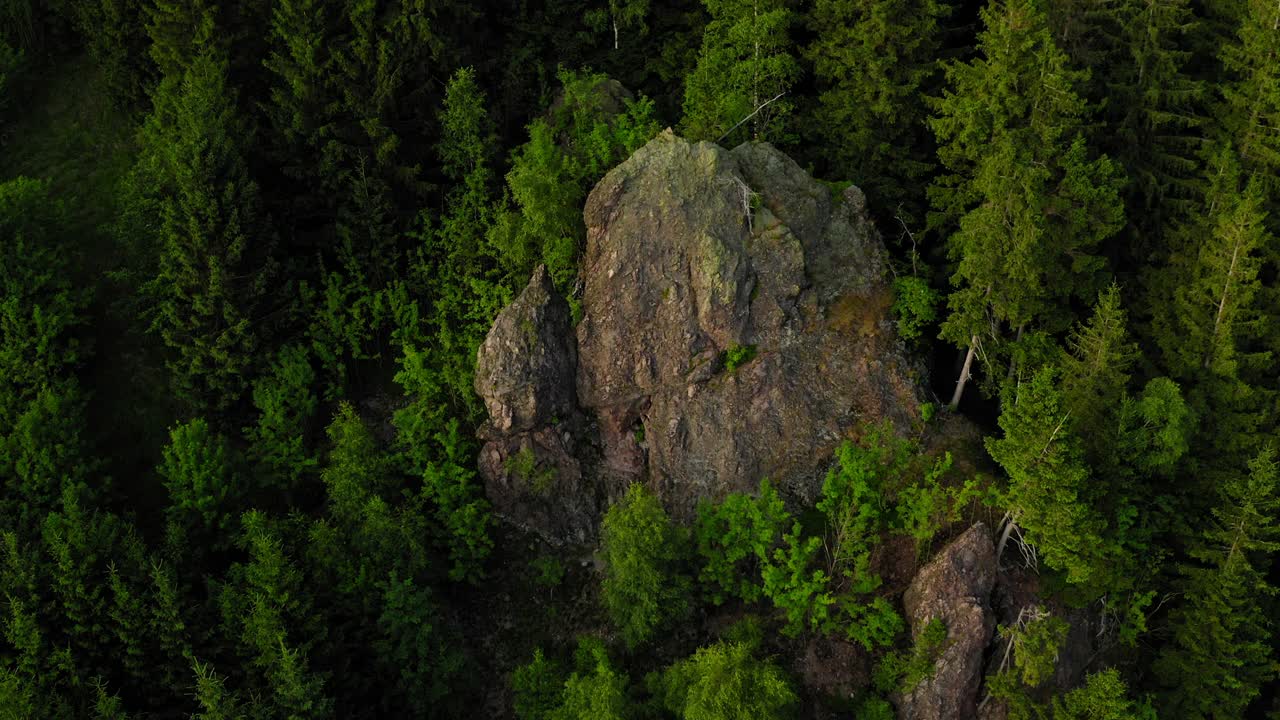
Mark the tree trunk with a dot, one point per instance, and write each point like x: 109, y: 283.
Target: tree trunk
x: 615, y: 34
x: 964, y: 372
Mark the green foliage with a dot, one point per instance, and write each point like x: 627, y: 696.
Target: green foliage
x: 873, y: 60
x: 737, y: 356
x: 549, y: 571
x: 902, y: 672
x: 1050, y: 490
x: 915, y: 306
x: 286, y: 404
x: 1219, y: 659
x: 205, y: 491
x: 116, y: 37
x: 214, y: 269
x: 745, y: 63
x: 735, y: 539
x: 1104, y: 696
x: 538, y: 686
x: 643, y: 588
x: 524, y: 466
x: 39, y: 311
x: 595, y: 689
x: 795, y: 587
x: 458, y: 506
x: 722, y: 682
x: 1029, y: 200
x: 585, y: 136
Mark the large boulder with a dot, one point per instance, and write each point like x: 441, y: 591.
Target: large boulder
x: 955, y: 587
x: 696, y: 254
x: 525, y: 372
x: 525, y: 369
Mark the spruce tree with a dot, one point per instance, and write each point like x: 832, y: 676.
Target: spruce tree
x: 1030, y: 202
x: 1051, y: 493
x: 744, y: 73
x: 1220, y: 654
x: 212, y: 287
x: 1250, y: 111
x: 873, y: 60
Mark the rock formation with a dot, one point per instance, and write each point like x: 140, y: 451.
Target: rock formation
x: 735, y: 326
x: 525, y: 372
x: 956, y: 587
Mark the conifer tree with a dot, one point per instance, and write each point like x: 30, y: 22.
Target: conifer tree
x: 1030, y: 202
x: 179, y: 31
x: 1096, y: 368
x: 1250, y: 112
x: 743, y: 74
x: 215, y: 267
x: 873, y: 59
x: 1155, y: 115
x: 1220, y: 657
x: 204, y: 488
x: 1051, y: 492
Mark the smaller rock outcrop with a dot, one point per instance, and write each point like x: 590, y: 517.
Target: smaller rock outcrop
x: 525, y: 372
x: 956, y: 587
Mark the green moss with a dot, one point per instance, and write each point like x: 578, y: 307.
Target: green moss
x: 737, y: 356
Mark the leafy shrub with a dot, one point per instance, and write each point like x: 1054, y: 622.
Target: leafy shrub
x: 524, y: 466
x: 915, y: 305
x: 537, y: 686
x: 902, y: 672
x: 737, y: 356
x: 725, y: 682
x: 643, y: 588
x: 595, y: 691
x: 735, y: 538
x: 549, y: 571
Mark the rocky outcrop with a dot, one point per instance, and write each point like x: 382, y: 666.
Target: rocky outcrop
x: 525, y: 372
x: 735, y: 326
x: 695, y: 255
x: 956, y: 587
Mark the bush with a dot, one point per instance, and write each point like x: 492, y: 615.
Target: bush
x: 643, y: 588
x: 537, y: 686
x: 735, y: 539
x: 724, y: 682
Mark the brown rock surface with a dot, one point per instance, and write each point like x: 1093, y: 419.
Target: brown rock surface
x: 693, y: 251
x: 956, y: 587
x: 525, y: 373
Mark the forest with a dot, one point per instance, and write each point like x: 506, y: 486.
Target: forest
x: 250, y: 249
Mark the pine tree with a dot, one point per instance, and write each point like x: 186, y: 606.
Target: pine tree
x: 873, y: 59
x: 1031, y: 204
x: 179, y: 31
x: 211, y: 290
x: 642, y: 588
x: 286, y: 403
x: 1051, y: 493
x: 1250, y: 112
x: 743, y: 74
x: 1220, y: 654
x: 1096, y: 370
x: 1155, y: 115
x: 205, y: 490
x: 116, y: 37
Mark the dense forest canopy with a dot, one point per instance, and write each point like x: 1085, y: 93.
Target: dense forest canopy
x: 249, y: 250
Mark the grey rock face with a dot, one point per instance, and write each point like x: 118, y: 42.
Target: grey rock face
x: 525, y: 368
x: 956, y: 587
x: 735, y: 326
x: 693, y: 252
x: 525, y: 372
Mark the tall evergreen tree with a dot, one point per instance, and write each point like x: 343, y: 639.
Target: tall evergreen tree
x: 872, y: 60
x: 743, y: 75
x: 212, y: 288
x: 1220, y: 657
x: 1250, y: 112
x: 1031, y: 203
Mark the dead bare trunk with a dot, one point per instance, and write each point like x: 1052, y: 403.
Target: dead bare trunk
x: 964, y: 372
